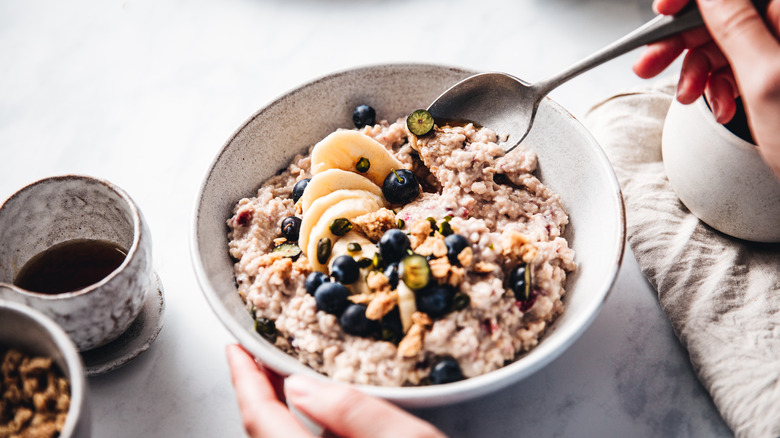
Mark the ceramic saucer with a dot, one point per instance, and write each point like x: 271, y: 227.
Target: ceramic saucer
x: 137, y: 339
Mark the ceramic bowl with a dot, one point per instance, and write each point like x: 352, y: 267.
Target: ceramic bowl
x: 62, y: 208
x: 720, y: 177
x: 31, y: 332
x: 570, y: 162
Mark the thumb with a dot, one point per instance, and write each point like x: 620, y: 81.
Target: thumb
x: 739, y: 31
x: 347, y: 412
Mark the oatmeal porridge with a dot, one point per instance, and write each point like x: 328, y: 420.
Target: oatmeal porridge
x: 388, y: 258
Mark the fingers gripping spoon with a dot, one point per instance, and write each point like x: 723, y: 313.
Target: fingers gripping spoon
x: 508, y: 104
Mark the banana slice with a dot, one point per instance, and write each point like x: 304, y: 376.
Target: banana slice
x: 343, y: 149
x: 407, y: 305
x: 330, y: 180
x: 312, y: 215
x: 367, y: 249
x: 348, y: 208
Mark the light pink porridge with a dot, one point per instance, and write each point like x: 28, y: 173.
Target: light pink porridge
x: 507, y: 218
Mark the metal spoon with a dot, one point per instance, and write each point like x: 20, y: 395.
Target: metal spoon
x: 508, y: 105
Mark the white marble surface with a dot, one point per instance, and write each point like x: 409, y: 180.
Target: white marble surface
x: 143, y: 93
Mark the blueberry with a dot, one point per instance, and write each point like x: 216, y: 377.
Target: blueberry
x: 363, y: 115
x: 291, y: 228
x: 520, y: 282
x: 455, y: 244
x: 445, y: 370
x: 314, y: 280
x: 298, y: 189
x: 436, y: 300
x: 393, y: 246
x: 391, y: 328
x: 400, y: 187
x: 354, y: 322
x: 332, y: 297
x: 392, y: 274
x: 345, y: 269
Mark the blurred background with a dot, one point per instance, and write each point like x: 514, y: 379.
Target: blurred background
x: 145, y: 92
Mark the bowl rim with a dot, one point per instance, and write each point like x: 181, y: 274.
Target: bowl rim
x: 431, y: 395
x: 77, y: 378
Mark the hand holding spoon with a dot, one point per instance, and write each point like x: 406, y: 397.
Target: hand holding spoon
x: 508, y: 105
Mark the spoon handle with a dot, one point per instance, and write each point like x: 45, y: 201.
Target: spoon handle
x: 658, y: 28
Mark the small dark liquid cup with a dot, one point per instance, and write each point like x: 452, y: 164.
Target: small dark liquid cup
x: 66, y: 208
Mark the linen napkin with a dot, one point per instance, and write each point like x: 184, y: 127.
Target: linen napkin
x: 722, y: 295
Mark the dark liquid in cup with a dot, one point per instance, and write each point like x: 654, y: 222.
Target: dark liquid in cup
x: 69, y: 266
x: 739, y: 125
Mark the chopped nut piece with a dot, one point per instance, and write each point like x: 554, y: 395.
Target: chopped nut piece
x: 457, y: 274
x: 433, y: 245
x: 21, y: 418
x: 42, y: 429
x: 302, y: 265
x: 361, y: 298
x: 59, y: 420
x: 412, y: 343
x: 513, y: 243
x: 466, y: 256
x: 377, y: 281
x: 439, y: 247
x: 381, y: 305
x: 484, y: 267
x: 374, y: 224
x: 280, y: 270
x: 530, y: 253
x: 29, y: 386
x: 36, y: 365
x: 418, y: 233
x: 63, y: 400
x: 11, y: 362
x: 421, y: 318
x: 13, y: 395
x: 439, y: 267
x: 268, y: 259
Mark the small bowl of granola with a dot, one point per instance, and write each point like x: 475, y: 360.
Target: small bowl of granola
x: 343, y: 232
x: 44, y: 383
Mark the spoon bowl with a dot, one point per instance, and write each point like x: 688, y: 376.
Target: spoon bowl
x: 497, y: 100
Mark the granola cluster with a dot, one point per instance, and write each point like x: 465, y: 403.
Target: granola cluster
x: 35, y: 396
x: 426, y: 240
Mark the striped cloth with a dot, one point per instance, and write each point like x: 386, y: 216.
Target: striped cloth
x: 722, y: 295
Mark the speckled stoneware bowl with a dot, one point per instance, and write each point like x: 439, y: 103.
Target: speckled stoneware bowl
x: 720, y: 177
x: 63, y: 208
x: 570, y: 162
x: 31, y: 332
